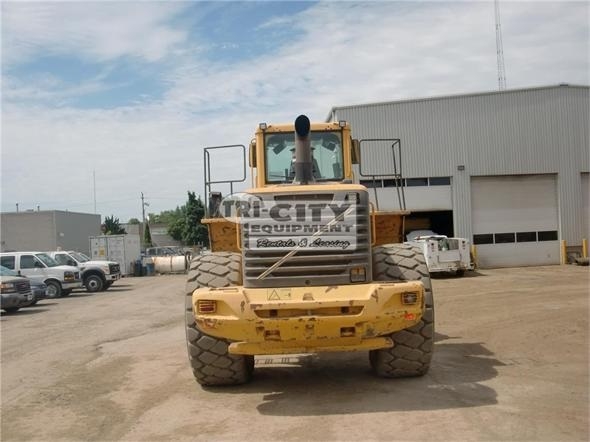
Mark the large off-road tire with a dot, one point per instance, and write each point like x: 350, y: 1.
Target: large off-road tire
x: 412, y: 350
x: 208, y: 356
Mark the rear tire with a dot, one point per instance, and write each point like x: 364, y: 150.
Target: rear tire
x: 53, y: 289
x: 412, y: 350
x: 210, y: 360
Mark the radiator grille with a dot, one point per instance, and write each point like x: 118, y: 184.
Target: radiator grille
x: 311, y: 267
x: 23, y: 286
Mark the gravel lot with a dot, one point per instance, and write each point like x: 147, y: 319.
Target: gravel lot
x: 510, y: 363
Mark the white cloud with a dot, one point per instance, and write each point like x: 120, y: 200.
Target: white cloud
x: 340, y: 53
x: 95, y: 31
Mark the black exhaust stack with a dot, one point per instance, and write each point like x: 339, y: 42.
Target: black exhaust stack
x: 303, y: 160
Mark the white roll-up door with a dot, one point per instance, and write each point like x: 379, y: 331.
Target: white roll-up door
x: 515, y: 220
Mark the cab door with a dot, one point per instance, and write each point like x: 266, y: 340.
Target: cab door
x: 31, y: 267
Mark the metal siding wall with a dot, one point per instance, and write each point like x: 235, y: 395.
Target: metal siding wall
x: 74, y: 229
x: 462, y: 206
x: 28, y: 231
x: 572, y: 114
x: 535, y: 131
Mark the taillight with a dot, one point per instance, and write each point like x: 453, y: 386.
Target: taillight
x: 205, y: 306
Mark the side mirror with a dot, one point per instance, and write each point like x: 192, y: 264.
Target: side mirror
x: 252, y: 153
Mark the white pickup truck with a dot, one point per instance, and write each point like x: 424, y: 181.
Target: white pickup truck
x: 96, y: 275
x: 443, y: 254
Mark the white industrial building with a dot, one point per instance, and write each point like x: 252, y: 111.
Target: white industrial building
x: 508, y: 169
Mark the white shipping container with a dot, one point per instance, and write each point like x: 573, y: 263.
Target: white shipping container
x: 125, y: 249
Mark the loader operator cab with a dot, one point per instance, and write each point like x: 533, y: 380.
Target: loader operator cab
x: 327, y: 156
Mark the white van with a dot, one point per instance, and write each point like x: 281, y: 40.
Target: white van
x: 38, y: 266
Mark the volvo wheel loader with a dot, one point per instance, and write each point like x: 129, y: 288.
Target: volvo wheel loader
x: 303, y: 262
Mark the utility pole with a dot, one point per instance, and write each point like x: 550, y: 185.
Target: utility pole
x: 499, y: 49
x: 94, y: 188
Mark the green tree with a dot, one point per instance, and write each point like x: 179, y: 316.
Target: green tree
x: 147, y: 236
x: 194, y: 233
x: 176, y: 228
x: 167, y: 217
x: 133, y: 221
x: 113, y: 226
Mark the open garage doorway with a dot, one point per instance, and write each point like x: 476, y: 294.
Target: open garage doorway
x: 440, y: 221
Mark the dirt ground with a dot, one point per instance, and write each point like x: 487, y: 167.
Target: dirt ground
x: 510, y: 363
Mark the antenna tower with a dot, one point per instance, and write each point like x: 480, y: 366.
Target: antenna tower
x: 499, y: 49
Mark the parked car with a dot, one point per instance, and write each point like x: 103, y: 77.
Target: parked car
x: 443, y: 254
x: 41, y: 267
x: 96, y: 275
x: 15, y: 291
x: 39, y: 290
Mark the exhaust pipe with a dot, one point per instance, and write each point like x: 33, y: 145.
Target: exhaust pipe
x: 303, y: 160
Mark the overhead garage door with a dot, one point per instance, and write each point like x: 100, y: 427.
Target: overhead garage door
x: 515, y: 220
x: 585, y: 205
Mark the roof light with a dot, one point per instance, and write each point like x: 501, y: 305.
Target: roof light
x: 342, y: 123
x: 262, y: 126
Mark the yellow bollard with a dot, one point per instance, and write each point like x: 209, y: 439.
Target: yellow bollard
x: 563, y: 252
x: 474, y: 256
x: 585, y: 248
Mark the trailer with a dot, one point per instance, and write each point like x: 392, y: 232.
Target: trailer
x: 124, y: 249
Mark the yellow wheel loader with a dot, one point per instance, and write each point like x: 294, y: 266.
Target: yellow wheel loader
x: 303, y: 263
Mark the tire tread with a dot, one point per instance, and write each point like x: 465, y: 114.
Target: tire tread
x: 209, y: 358
x: 412, y: 350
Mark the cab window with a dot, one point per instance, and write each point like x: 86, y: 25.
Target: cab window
x: 7, y: 261
x: 30, y: 262
x: 326, y: 150
x: 63, y: 259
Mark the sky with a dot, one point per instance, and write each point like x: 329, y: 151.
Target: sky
x: 104, y: 101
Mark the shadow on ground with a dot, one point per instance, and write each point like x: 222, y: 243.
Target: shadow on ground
x: 25, y: 311
x: 342, y: 383
x: 451, y: 275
